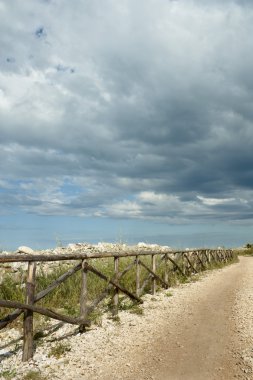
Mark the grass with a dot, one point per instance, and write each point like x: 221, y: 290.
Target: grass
x: 34, y: 375
x: 136, y: 309
x: 66, y: 297
x: 31, y: 375
x: 96, y: 317
x: 10, y: 289
x: 247, y: 252
x: 8, y: 374
x: 128, y: 305
x: 59, y: 350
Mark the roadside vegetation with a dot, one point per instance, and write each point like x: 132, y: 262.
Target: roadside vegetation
x: 247, y: 251
x: 65, y: 298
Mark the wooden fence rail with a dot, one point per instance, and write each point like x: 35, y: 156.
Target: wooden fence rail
x: 185, y: 263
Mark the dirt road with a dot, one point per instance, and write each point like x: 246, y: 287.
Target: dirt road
x: 202, y: 330
x: 206, y: 334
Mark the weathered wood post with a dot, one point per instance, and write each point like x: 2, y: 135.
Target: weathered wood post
x: 227, y: 255
x: 166, y: 273
x: 116, y: 290
x: 153, y: 263
x: 137, y: 276
x: 204, y: 257
x: 217, y: 256
x: 183, y: 261
x: 28, y: 315
x: 195, y: 262
x: 83, y: 295
x: 191, y: 265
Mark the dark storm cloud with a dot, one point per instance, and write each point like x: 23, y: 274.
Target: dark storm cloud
x: 146, y: 108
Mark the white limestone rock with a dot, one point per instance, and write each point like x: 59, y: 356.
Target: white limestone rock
x: 24, y: 249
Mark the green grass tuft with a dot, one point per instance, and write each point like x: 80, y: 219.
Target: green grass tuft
x: 59, y: 350
x: 34, y: 375
x: 8, y: 374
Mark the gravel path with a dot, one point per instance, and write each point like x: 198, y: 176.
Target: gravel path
x: 200, y: 330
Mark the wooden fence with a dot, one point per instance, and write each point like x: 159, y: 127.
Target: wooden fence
x: 185, y: 263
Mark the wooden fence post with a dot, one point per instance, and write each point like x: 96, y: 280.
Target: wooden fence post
x: 137, y: 276
x: 116, y: 290
x: 184, y: 267
x: 153, y: 262
x: 28, y: 315
x: 83, y: 295
x: 166, y: 274
x: 205, y: 257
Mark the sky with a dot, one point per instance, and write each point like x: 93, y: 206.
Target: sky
x: 126, y: 121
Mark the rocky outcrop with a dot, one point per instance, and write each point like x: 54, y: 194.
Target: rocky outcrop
x: 24, y: 249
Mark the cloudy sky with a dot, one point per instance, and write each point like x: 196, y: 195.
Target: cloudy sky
x: 125, y: 120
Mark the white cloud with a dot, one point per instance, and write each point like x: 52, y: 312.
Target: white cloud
x: 4, y: 101
x: 125, y: 209
x: 215, y: 201
x: 150, y: 196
